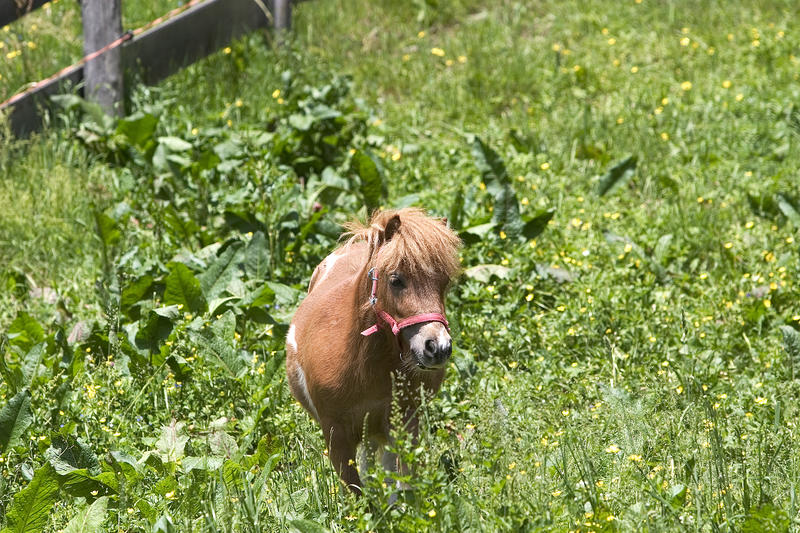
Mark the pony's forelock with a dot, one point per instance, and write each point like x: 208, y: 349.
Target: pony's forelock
x: 422, y: 244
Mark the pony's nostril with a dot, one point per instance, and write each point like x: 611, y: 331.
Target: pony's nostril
x: 446, y: 350
x: 430, y: 346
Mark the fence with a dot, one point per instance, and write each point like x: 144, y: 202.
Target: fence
x: 152, y: 52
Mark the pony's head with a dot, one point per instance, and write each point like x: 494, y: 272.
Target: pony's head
x: 414, y: 258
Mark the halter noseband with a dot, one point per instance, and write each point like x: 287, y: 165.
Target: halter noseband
x: 394, y: 325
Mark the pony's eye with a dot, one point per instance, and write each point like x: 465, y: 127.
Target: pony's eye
x: 396, y: 281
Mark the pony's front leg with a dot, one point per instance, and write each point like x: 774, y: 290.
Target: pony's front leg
x: 342, y: 452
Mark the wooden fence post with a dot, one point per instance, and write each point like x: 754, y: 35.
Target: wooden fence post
x: 283, y: 14
x: 102, y: 24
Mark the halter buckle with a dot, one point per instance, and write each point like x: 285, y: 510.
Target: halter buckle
x: 373, y: 299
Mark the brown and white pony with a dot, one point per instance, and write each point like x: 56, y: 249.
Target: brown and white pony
x: 373, y: 319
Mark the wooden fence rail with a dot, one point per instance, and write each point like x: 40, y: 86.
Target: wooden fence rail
x: 160, y: 51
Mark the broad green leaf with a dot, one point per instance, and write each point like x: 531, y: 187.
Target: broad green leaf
x: 224, y: 268
x: 25, y: 332
x: 561, y: 275
x: 134, y: 292
x: 172, y: 442
x: 618, y: 175
x: 256, y: 256
x: 474, y: 234
x: 677, y: 496
x: 67, y: 454
x: 126, y: 463
x: 183, y: 288
x: 12, y: 375
x: 156, y: 329
x: 791, y: 342
x: 175, y: 144
x: 373, y: 187
x: 484, y: 273
x: 535, y: 225
x: 30, y: 364
x: 78, y: 468
x: 302, y: 525
x: 207, y: 463
x: 285, y: 295
x: 216, y: 345
x: 300, y: 122
x: 222, y: 444
x: 90, y: 518
x: 164, y: 525
x: 490, y: 165
x: 506, y: 211
x: 138, y: 128
x: 495, y: 176
x: 15, y: 419
x: 106, y: 229
x: 788, y: 210
x: 30, y: 509
x: 233, y: 475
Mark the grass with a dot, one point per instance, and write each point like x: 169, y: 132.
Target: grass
x: 651, y: 387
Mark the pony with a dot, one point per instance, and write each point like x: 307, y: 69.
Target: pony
x: 373, y: 320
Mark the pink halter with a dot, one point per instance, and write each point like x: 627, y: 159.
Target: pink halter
x: 385, y: 317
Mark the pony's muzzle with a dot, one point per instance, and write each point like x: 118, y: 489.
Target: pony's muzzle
x: 430, y: 344
x: 437, y: 352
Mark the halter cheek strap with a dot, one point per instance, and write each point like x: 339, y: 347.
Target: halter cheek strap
x: 386, y: 318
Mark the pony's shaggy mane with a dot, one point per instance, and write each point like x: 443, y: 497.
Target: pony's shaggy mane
x: 421, y: 245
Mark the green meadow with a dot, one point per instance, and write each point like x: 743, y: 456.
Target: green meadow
x: 624, y: 177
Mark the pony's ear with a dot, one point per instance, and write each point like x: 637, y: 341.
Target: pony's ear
x: 391, y: 228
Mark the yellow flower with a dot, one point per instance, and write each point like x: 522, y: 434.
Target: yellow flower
x: 437, y: 52
x: 635, y: 458
x: 432, y: 513
x: 760, y: 400
x: 664, y: 136
x: 686, y: 86
x: 739, y: 97
x: 276, y: 93
x: 612, y: 449
x: 634, y: 69
x: 726, y: 84
x: 767, y: 303
x: 421, y: 34
x: 612, y: 41
x: 462, y: 59
x: 685, y: 41
x: 406, y: 57
x: 728, y: 245
x: 544, y: 166
x: 529, y: 297
x: 227, y: 50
